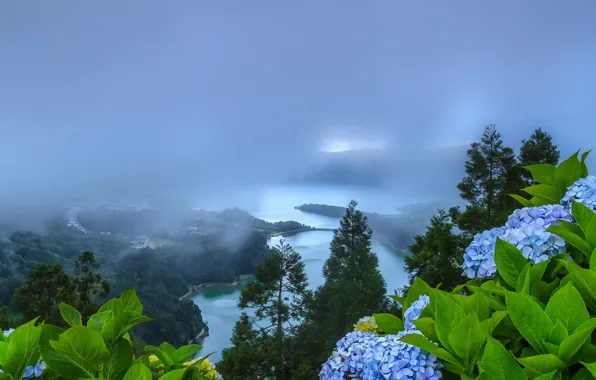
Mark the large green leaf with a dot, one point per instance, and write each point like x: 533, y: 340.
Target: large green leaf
x: 547, y: 192
x: 119, y: 361
x: 582, y: 374
x: 567, y: 307
x: 542, y: 173
x: 138, y: 372
x: 477, y: 303
x: 568, y: 172
x: 467, y: 338
x: 557, y: 334
x: 530, y: 320
x: 447, y: 314
x: 98, y: 320
x: 590, y: 232
x: 426, y: 345
x: 389, y: 323
x: 498, y: 364
x: 185, y: 352
x: 524, y: 202
x: 21, y: 349
x: 426, y: 326
x: 84, y: 348
x: 584, y: 281
x: 571, y: 238
x: 176, y: 374
x: 584, y: 171
x: 573, y: 343
x: 510, y: 261
x: 167, y: 348
x: 541, y: 364
x: 163, y: 356
x: 582, y: 215
x: 130, y: 302
x: 119, y: 325
x: 70, y: 315
x: 546, y: 376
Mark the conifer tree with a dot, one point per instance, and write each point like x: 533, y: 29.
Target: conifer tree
x: 490, y: 170
x: 279, y: 295
x: 89, y: 284
x: 354, y: 288
x: 538, y: 149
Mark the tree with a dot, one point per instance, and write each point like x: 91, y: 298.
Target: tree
x: 247, y: 359
x: 488, y: 175
x: 353, y: 288
x: 46, y: 286
x: 3, y: 318
x: 89, y: 284
x: 538, y: 149
x: 435, y: 257
x: 279, y: 294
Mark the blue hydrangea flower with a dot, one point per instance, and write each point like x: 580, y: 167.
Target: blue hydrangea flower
x: 526, y: 229
x: 348, y: 360
x: 7, y: 332
x: 479, y: 258
x: 583, y: 191
x: 34, y: 371
x: 414, y: 311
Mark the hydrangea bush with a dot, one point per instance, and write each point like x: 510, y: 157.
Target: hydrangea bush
x: 371, y: 352
x: 101, y: 349
x: 528, y: 310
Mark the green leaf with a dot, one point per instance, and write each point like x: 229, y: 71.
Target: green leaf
x: 70, y: 315
x: 426, y: 345
x: 498, y: 364
x: 83, y: 348
x: 541, y: 364
x: 571, y: 238
x: 447, y: 314
x: 591, y: 232
x: 567, y: 307
x: 552, y: 348
x: 547, y: 192
x: 184, y: 352
x: 119, y: 361
x: 467, y: 337
x: 130, y: 302
x: 582, y: 215
x: 119, y: 325
x: 21, y: 349
x: 593, y: 261
x: 523, y: 278
x: 398, y: 299
x: 543, y: 290
x: 389, y: 323
x: 98, y: 320
x: 584, y: 281
x: 573, y: 343
x: 167, y: 348
x: 161, y: 355
x: 426, y: 326
x: 138, y: 372
x: 524, y: 202
x: 509, y: 260
x: 542, y: 173
x: 530, y: 320
x: 476, y: 303
x: 582, y: 374
x: 557, y: 334
x: 568, y: 172
x: 489, y: 324
x: 584, y: 171
x: 174, y: 375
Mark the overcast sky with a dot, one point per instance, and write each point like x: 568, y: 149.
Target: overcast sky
x: 162, y: 94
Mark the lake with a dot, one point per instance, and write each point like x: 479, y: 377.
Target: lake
x: 219, y: 304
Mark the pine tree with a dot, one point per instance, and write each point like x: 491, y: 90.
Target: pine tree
x: 279, y: 295
x: 89, y: 284
x: 354, y: 288
x: 435, y: 257
x: 489, y: 169
x: 538, y: 149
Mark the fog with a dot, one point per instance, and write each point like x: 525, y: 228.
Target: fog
x: 191, y: 99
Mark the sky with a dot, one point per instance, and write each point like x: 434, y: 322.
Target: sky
x: 130, y: 97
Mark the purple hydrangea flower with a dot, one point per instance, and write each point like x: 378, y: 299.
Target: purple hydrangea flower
x: 526, y: 229
x: 583, y: 191
x: 479, y: 258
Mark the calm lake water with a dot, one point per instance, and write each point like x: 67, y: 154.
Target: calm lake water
x: 219, y: 304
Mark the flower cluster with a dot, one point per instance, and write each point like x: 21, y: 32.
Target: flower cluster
x: 206, y: 367
x: 367, y: 356
x: 526, y: 229
x: 414, y: 311
x: 34, y: 371
x: 479, y: 258
x: 583, y: 191
x: 368, y: 324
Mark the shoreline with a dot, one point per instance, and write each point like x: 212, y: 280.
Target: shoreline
x: 296, y: 232
x: 203, y: 285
